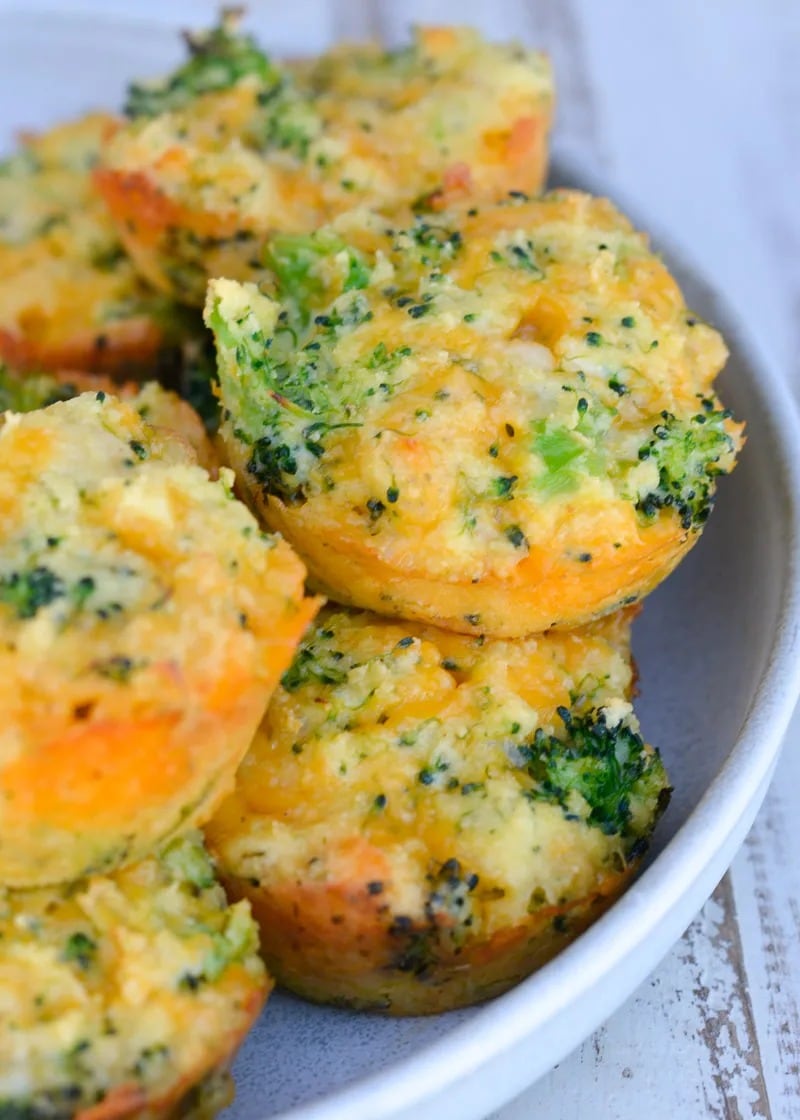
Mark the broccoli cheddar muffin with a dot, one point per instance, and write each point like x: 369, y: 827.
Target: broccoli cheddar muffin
x: 425, y: 817
x: 125, y: 995
x: 158, y: 406
x: 144, y: 621
x: 69, y: 296
x: 233, y: 146
x: 499, y: 419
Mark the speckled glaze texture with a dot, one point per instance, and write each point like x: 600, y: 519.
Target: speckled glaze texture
x: 717, y: 651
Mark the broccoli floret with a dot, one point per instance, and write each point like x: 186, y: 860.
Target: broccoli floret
x: 294, y: 258
x: 568, y: 453
x: 188, y: 862
x: 275, y: 467
x: 434, y: 243
x: 34, y: 390
x: 315, y: 661
x: 27, y: 592
x: 289, y: 389
x: 117, y: 668
x: 520, y: 253
x: 414, y: 949
x: 622, y: 785
x: 689, y: 455
x: 282, y: 461
x: 219, y: 59
x: 418, y: 946
x: 80, y: 949
x: 289, y: 122
x: 237, y: 941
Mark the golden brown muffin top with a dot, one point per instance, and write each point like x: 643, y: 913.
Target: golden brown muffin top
x: 233, y: 132
x: 112, y: 536
x: 135, y: 594
x: 475, y: 387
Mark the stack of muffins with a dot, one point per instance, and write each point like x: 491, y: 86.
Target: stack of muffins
x: 494, y: 422
x: 480, y: 410
x: 484, y: 420
x: 145, y: 621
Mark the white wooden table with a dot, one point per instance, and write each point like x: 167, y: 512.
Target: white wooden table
x: 693, y: 107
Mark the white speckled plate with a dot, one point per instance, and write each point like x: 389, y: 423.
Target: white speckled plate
x: 717, y: 651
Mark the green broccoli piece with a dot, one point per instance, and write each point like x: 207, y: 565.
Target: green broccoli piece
x: 690, y: 454
x: 275, y: 467
x: 237, y: 941
x: 415, y: 949
x: 27, y: 592
x: 521, y: 255
x: 187, y: 861
x: 293, y: 258
x: 418, y: 947
x: 288, y: 387
x: 562, y: 452
x: 434, y: 242
x: 315, y: 662
x: 219, y: 59
x: 20, y: 393
x: 81, y: 949
x: 569, y: 453
x: 622, y: 785
x: 290, y: 122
